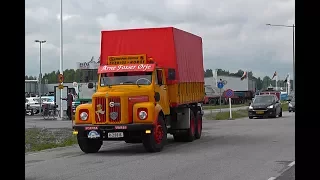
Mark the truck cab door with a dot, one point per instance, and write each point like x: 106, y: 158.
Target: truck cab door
x: 162, y: 88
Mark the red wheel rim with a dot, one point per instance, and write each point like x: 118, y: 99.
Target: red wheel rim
x: 192, y: 125
x: 199, y: 125
x: 158, y: 133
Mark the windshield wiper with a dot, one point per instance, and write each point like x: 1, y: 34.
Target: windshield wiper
x: 128, y: 82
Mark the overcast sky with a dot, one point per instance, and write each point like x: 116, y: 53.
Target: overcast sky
x: 234, y: 32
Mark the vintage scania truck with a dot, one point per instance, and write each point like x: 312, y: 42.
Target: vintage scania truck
x: 151, y: 83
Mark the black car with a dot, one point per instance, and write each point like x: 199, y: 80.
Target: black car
x: 267, y: 105
x: 292, y: 105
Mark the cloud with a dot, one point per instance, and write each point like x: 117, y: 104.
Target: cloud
x: 233, y: 31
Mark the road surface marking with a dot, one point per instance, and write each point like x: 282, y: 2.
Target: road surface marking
x: 291, y: 164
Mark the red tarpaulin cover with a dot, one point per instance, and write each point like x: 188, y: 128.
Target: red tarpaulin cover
x: 169, y: 48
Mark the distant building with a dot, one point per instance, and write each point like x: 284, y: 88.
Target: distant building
x: 232, y: 82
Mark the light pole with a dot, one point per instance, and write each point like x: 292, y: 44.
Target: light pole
x: 61, y: 57
x: 40, y: 74
x: 293, y: 54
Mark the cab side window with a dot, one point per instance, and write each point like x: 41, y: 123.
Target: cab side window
x: 159, y: 77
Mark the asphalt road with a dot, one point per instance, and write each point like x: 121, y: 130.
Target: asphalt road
x: 243, y: 149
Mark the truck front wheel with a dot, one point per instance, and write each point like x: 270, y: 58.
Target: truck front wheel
x: 155, y: 141
x: 89, y: 145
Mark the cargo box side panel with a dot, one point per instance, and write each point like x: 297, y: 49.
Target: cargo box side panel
x: 155, y: 42
x: 185, y: 93
x: 189, y: 56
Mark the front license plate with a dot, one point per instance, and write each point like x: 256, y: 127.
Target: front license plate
x: 93, y: 134
x: 260, y: 112
x: 115, y: 134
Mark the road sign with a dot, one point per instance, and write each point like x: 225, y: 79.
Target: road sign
x: 220, y: 85
x: 229, y: 93
x: 60, y: 78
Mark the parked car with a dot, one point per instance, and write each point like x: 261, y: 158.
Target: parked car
x: 292, y: 105
x: 266, y: 105
x: 27, y: 109
x: 33, y: 103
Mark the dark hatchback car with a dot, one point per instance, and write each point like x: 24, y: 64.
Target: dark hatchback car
x: 265, y: 106
x: 292, y: 105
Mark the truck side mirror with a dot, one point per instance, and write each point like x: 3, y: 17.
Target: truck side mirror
x: 171, y: 74
x: 90, y: 85
x: 157, y: 96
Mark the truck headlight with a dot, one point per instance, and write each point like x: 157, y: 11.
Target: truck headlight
x: 270, y: 107
x: 84, y: 116
x: 250, y: 107
x: 142, y: 113
x: 290, y: 105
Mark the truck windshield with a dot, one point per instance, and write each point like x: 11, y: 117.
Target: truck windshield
x: 125, y: 78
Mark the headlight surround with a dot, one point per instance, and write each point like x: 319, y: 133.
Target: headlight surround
x: 84, y: 116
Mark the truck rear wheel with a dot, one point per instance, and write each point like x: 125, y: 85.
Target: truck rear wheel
x: 89, y: 145
x: 198, y: 131
x: 212, y: 101
x: 155, y: 141
x: 190, y: 134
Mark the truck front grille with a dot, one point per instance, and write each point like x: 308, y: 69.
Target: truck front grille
x: 114, y: 110
x: 100, y: 109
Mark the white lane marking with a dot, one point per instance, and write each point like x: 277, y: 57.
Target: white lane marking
x: 292, y: 163
x: 272, y: 178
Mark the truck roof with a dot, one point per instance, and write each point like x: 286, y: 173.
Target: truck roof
x: 169, y: 47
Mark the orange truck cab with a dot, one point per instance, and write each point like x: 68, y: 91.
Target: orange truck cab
x: 151, y: 83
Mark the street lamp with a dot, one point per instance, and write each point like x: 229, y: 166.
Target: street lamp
x: 293, y: 55
x: 40, y: 75
x: 61, y: 56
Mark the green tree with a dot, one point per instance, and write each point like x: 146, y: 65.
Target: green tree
x: 208, y: 73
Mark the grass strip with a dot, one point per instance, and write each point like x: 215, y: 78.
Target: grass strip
x: 37, y: 139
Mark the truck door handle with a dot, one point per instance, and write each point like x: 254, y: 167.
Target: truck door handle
x: 164, y: 88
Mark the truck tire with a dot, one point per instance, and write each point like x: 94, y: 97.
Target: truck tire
x: 212, y: 101
x: 155, y: 141
x: 89, y: 145
x: 198, y: 131
x: 188, y: 136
